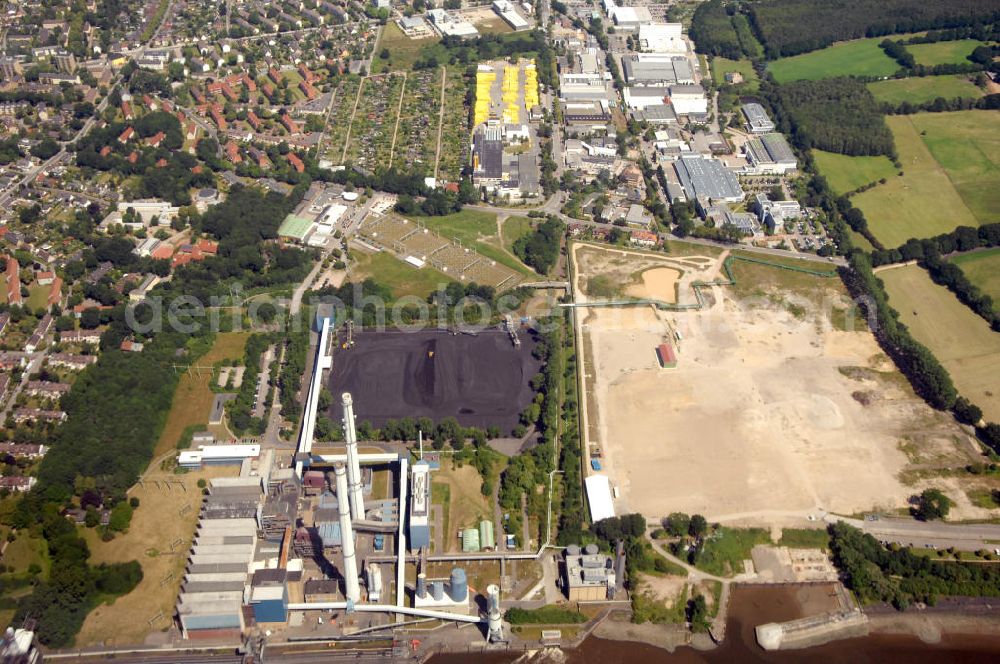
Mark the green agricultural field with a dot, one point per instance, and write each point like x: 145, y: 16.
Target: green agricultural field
x: 962, y: 341
x: 943, y: 53
x: 722, y: 65
x: 845, y: 174
x: 918, y: 90
x: 967, y: 145
x: 922, y: 202
x: 854, y: 58
x: 983, y: 269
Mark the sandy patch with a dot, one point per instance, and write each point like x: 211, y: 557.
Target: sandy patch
x: 659, y: 283
x: 758, y: 421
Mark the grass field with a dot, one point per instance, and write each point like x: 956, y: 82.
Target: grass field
x: 854, y: 58
x: 943, y: 53
x: 403, y: 51
x: 466, y: 504
x: 913, y: 205
x: 920, y: 89
x: 844, y: 173
x: 165, y: 516
x: 753, y: 280
x: 805, y: 538
x: 967, y: 145
x: 961, y: 340
x: 514, y: 228
x: 402, y: 278
x: 192, y: 402
x: 38, y: 297
x: 983, y: 269
x: 478, y: 230
x: 860, y: 241
x: 722, y: 65
x: 24, y: 551
x: 727, y: 548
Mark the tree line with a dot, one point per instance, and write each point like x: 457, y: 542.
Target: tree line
x: 900, y: 577
x: 713, y: 31
x: 527, y: 471
x: 790, y: 27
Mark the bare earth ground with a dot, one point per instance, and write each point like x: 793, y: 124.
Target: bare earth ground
x: 758, y: 421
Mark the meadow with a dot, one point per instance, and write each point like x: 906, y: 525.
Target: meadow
x: 862, y: 57
x: 845, y: 174
x: 961, y: 340
x: 722, y: 65
x: 983, y: 269
x: 943, y: 53
x: 914, y: 204
x: 967, y: 146
x: 918, y: 90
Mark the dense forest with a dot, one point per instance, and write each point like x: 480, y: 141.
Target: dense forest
x: 540, y: 248
x: 713, y: 32
x: 899, y: 577
x: 245, y: 225
x: 837, y: 115
x: 788, y: 27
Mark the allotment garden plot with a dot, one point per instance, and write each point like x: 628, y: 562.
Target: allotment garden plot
x: 339, y: 124
x: 369, y: 143
x: 416, y: 139
x: 455, y: 136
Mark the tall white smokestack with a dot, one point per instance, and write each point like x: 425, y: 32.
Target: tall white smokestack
x: 351, y: 586
x: 353, y: 467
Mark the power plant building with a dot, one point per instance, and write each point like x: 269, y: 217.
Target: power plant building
x: 589, y: 575
x: 420, y: 532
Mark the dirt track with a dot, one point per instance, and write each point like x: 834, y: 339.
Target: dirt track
x: 481, y: 380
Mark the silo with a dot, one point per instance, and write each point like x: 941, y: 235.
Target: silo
x: 592, y: 550
x: 437, y: 590
x: 572, y: 550
x: 459, y: 585
x: 421, y: 585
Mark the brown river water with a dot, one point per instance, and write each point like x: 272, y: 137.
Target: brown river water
x: 751, y: 606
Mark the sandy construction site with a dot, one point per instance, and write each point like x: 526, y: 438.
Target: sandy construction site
x: 771, y: 414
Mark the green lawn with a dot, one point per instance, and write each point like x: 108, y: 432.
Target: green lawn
x: 727, y: 548
x: 845, y: 174
x: 402, y: 278
x: 967, y: 145
x: 38, y: 297
x: 514, y: 228
x: 943, y: 53
x: 722, y: 65
x: 918, y: 90
x: 25, y: 551
x: 983, y: 269
x: 922, y: 202
x: 403, y: 51
x: 805, y: 538
x: 854, y: 58
x: 477, y: 230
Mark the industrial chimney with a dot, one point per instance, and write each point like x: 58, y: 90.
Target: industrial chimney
x: 353, y: 466
x: 352, y: 588
x: 493, y: 615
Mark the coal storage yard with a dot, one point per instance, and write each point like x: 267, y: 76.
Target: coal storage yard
x: 480, y: 379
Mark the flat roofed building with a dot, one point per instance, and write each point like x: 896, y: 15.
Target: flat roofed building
x: 662, y: 38
x: 758, y: 121
x: 770, y: 153
x: 589, y: 575
x: 599, y: 497
x: 630, y: 18
x: 707, y: 179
